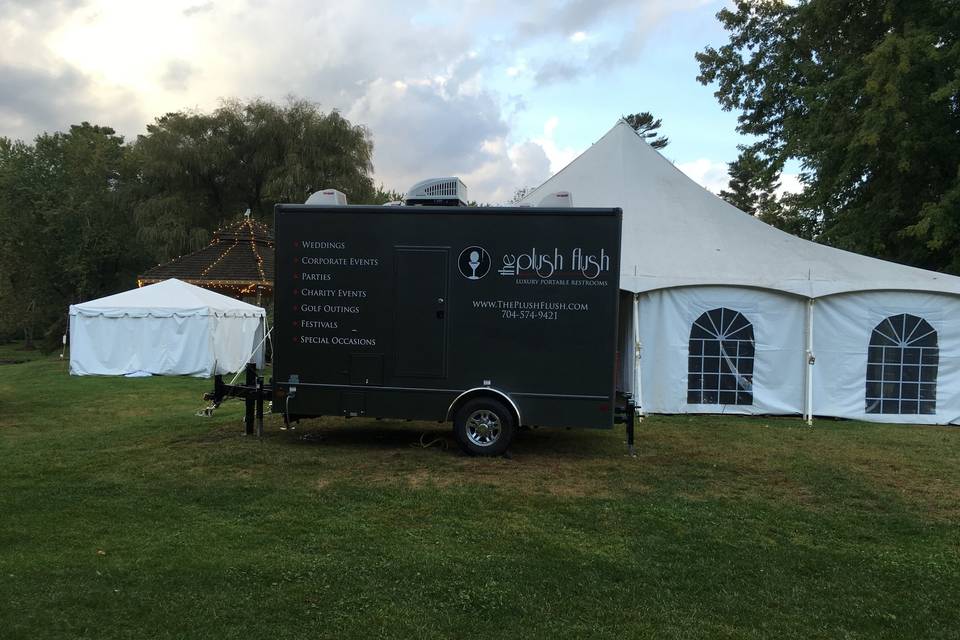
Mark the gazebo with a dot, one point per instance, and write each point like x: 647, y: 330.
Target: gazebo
x: 238, y: 262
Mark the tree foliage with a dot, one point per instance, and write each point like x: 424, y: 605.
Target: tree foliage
x: 753, y: 184
x: 199, y: 169
x: 866, y: 94
x: 83, y: 212
x: 753, y: 188
x: 520, y: 193
x: 65, y: 229
x: 646, y: 126
x: 382, y: 195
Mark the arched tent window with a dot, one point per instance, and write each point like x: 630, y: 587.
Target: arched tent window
x: 720, y: 365
x: 902, y: 367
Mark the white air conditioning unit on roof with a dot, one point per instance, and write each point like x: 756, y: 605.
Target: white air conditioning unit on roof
x: 327, y: 197
x: 557, y: 199
x: 438, y: 192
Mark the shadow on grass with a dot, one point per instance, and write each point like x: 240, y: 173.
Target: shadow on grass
x: 384, y: 435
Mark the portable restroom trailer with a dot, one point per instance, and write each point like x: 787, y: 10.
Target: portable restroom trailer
x: 492, y: 318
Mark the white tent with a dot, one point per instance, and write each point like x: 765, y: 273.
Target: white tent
x: 730, y: 315
x: 168, y: 328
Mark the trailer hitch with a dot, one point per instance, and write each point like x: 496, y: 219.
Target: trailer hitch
x: 253, y: 391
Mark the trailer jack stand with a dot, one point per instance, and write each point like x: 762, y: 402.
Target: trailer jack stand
x: 631, y: 421
x: 253, y: 391
x: 250, y: 400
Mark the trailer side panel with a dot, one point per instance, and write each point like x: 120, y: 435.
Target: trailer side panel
x: 395, y: 312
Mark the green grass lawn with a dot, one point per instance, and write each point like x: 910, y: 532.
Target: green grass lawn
x: 124, y: 515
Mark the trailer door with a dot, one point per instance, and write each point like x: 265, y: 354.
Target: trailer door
x: 421, y: 312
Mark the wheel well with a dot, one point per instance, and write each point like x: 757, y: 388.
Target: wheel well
x: 483, y: 392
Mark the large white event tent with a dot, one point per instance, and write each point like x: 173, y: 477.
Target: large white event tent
x: 168, y: 328
x: 726, y: 314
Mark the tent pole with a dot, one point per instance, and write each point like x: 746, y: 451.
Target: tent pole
x: 637, y: 382
x: 808, y: 409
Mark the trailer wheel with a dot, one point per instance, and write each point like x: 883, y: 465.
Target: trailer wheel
x: 484, y: 427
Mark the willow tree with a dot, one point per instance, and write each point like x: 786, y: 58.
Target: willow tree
x: 201, y: 169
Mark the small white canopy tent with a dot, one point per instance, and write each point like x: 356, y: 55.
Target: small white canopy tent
x: 727, y: 314
x: 168, y: 328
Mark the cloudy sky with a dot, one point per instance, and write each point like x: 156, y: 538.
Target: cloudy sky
x: 501, y: 93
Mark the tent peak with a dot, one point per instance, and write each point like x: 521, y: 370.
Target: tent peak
x: 678, y: 233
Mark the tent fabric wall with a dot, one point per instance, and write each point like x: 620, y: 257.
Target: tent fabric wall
x: 685, y: 251
x: 625, y: 344
x: 175, y: 345
x: 666, y: 318
x: 168, y: 328
x: 227, y: 332
x: 843, y: 325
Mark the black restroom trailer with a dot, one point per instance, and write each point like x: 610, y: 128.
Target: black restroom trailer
x: 492, y: 318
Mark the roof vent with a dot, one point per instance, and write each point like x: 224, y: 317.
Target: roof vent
x: 328, y: 197
x: 438, y: 192
x: 557, y: 199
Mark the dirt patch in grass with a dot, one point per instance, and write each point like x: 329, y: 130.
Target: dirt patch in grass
x: 542, y: 475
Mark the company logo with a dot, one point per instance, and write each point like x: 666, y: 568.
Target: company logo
x: 547, y: 264
x: 474, y: 263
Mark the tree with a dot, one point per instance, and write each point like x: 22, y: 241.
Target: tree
x: 753, y: 189
x: 521, y: 193
x: 199, y: 169
x: 382, y: 195
x: 646, y: 126
x: 866, y: 94
x: 82, y: 212
x: 753, y: 184
x: 66, y: 233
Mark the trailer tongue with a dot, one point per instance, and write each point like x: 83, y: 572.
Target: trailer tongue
x: 491, y: 318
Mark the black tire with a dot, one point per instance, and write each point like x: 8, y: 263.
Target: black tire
x: 484, y: 427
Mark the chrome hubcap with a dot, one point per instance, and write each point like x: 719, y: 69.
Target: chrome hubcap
x: 483, y: 427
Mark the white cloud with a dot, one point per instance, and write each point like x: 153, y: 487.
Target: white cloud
x: 707, y: 173
x: 420, y: 76
x: 559, y: 156
x: 506, y: 170
x: 422, y: 132
x: 550, y: 126
x: 789, y: 183
x: 517, y: 69
x: 714, y: 176
x: 42, y: 91
x: 626, y: 26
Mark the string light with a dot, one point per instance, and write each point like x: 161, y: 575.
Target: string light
x: 253, y: 245
x: 236, y: 287
x: 217, y: 261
